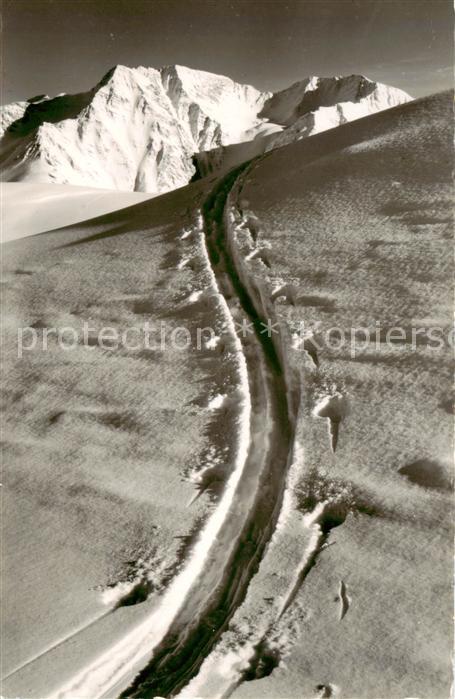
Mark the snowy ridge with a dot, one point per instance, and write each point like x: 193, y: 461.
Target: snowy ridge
x: 219, y: 111
x: 349, y: 106
x: 140, y: 128
x: 308, y: 95
x: 11, y: 113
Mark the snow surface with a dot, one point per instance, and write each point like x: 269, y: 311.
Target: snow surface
x: 134, y: 648
x: 359, y: 251
x: 10, y: 113
x: 29, y: 208
x: 139, y: 128
x: 330, y: 221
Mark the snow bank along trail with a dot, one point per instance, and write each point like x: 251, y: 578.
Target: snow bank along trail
x: 126, y: 656
x: 235, y: 556
x: 255, y: 626
x: 197, y: 606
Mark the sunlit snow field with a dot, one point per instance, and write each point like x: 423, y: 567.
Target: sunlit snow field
x: 116, y: 459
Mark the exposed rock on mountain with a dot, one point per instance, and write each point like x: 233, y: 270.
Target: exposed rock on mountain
x: 142, y: 129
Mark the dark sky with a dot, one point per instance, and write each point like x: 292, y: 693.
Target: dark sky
x: 53, y: 46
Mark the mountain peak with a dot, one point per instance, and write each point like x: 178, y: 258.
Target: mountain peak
x: 142, y: 128
x: 115, y: 70
x: 310, y: 94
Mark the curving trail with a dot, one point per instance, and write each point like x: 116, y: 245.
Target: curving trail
x: 203, y: 597
x: 250, y: 524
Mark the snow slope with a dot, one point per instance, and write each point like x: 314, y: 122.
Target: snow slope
x: 106, y: 446
x: 139, y: 128
x: 352, y: 231
x: 342, y: 230
x: 10, y: 113
x: 324, y: 104
x: 29, y: 208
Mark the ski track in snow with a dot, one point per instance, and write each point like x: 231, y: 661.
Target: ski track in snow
x: 136, y: 648
x: 227, y: 665
x: 223, y: 668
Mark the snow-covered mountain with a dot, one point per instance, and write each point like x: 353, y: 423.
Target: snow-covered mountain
x: 152, y: 130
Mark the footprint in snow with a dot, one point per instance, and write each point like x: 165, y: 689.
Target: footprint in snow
x: 334, y: 409
x: 343, y: 599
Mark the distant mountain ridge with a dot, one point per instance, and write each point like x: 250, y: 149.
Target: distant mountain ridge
x: 148, y: 130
